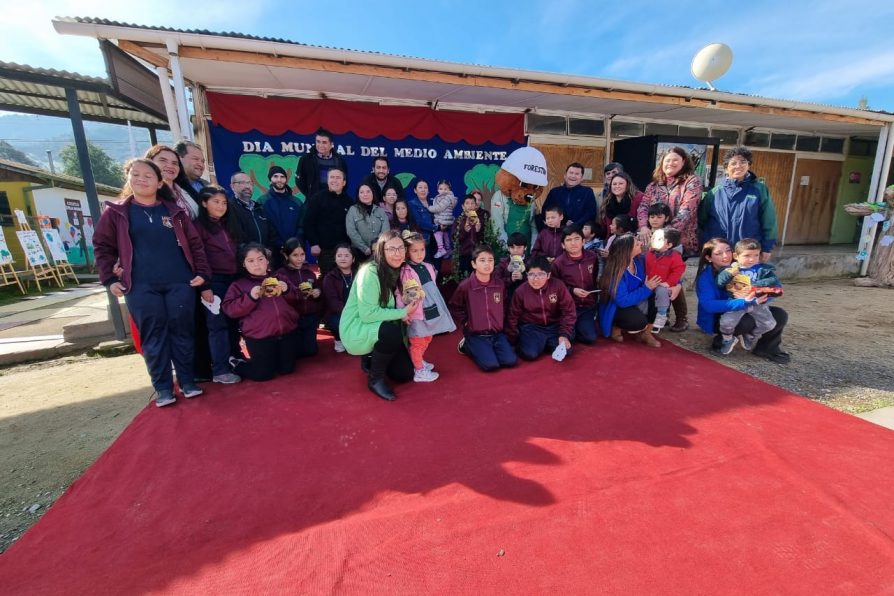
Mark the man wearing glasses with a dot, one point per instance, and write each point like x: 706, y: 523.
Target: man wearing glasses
x: 253, y: 222
x: 739, y: 206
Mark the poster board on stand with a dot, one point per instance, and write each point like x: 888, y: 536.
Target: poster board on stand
x: 8, y: 275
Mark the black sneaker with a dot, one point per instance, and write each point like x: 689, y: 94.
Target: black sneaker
x: 779, y: 357
x: 191, y: 390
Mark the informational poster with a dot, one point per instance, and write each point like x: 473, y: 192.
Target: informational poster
x: 54, y: 243
x: 5, y: 255
x: 31, y: 246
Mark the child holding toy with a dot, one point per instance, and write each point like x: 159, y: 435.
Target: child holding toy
x: 310, y: 306
x: 478, y: 304
x: 265, y: 305
x: 748, y: 278
x: 417, y: 283
x: 512, y: 267
x: 470, y: 228
x: 336, y: 287
x: 659, y: 214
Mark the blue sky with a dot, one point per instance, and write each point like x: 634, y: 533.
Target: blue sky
x: 809, y: 51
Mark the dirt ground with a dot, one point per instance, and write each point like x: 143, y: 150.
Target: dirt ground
x: 57, y: 417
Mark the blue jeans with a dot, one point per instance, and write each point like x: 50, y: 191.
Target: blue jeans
x: 490, y: 352
x: 221, y: 329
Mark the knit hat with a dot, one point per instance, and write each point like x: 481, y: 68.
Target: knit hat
x: 275, y: 170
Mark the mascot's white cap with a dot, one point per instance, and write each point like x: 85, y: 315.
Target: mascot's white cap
x: 528, y: 165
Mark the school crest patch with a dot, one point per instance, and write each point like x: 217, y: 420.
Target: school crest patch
x: 166, y: 221
x: 589, y: 269
x: 497, y: 298
x: 553, y: 298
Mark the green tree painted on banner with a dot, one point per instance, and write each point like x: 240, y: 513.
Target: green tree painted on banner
x: 481, y: 178
x: 405, y: 178
x: 257, y: 166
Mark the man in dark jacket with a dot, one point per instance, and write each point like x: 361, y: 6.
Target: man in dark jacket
x: 313, y: 169
x: 253, y: 221
x: 283, y: 210
x: 380, y: 179
x: 577, y: 201
x: 324, y: 222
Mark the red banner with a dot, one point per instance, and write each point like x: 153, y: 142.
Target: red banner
x: 276, y: 116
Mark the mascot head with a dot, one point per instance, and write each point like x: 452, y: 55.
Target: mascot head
x: 523, y: 175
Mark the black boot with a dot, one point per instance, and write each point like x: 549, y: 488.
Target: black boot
x: 378, y: 364
x: 365, y: 363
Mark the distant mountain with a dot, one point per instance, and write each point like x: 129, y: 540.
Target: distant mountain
x: 33, y: 135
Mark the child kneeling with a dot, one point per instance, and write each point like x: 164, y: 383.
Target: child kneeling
x: 478, y: 305
x: 268, y: 320
x: 542, y: 315
x: 754, y: 281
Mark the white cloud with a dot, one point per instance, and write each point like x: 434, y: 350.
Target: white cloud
x: 27, y: 35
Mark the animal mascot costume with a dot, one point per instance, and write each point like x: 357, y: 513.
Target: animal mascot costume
x: 521, y: 180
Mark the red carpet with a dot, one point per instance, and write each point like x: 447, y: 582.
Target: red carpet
x: 622, y: 470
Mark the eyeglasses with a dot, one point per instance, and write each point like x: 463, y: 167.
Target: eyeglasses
x: 395, y: 249
x: 242, y: 182
x: 737, y: 163
x: 537, y: 275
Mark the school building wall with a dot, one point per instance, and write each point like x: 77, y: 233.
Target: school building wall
x: 856, y: 173
x: 16, y: 196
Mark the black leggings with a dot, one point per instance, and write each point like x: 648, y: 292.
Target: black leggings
x: 390, y: 353
x: 269, y: 356
x: 630, y: 318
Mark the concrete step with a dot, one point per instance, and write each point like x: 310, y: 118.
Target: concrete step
x: 95, y: 326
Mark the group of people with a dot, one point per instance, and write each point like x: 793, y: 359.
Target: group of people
x: 220, y: 283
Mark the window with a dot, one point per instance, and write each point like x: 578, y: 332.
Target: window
x: 757, y: 139
x: 655, y: 128
x: 782, y: 141
x: 863, y: 147
x: 626, y: 129
x: 831, y: 145
x: 726, y: 136
x: 806, y: 143
x: 587, y: 128
x: 549, y: 125
x: 5, y: 210
x: 693, y: 131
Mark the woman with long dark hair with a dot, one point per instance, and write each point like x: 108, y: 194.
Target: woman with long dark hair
x: 221, y: 237
x: 365, y: 221
x: 148, y: 251
x: 625, y: 292
x: 371, y: 325
x: 713, y: 301
x: 623, y: 199
x: 674, y: 183
x: 175, y: 178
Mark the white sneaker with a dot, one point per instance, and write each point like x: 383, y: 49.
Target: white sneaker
x: 428, y: 365
x: 660, y: 322
x: 339, y: 347
x: 425, y: 376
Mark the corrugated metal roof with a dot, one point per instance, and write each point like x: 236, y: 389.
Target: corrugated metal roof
x: 48, y: 176
x: 42, y: 91
x: 106, y: 22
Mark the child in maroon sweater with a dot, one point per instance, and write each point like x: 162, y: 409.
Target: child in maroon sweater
x: 310, y: 307
x: 336, y: 286
x: 549, y: 239
x: 477, y: 305
x: 268, y: 320
x: 542, y: 314
x: 470, y: 227
x: 578, y: 269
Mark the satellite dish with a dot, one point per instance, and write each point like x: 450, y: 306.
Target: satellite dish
x: 711, y: 62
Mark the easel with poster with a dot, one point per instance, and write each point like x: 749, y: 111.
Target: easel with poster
x: 54, y: 242
x: 8, y: 275
x: 35, y: 257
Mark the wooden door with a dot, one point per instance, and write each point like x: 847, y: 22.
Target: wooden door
x: 813, y: 201
x: 776, y: 171
x: 558, y: 157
